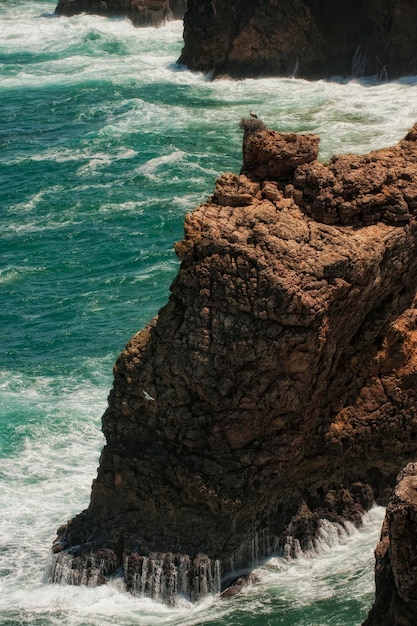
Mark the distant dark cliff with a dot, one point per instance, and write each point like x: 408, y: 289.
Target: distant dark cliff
x: 278, y: 384
x: 141, y: 12
x: 306, y: 38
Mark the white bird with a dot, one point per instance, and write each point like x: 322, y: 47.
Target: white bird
x: 147, y: 396
x: 252, y: 114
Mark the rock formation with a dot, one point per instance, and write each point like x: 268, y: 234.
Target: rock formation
x: 278, y: 384
x: 396, y: 557
x: 141, y: 12
x: 306, y: 38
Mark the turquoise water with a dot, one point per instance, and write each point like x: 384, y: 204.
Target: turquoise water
x: 105, y: 144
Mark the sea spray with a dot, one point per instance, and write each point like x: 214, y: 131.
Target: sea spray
x: 165, y: 576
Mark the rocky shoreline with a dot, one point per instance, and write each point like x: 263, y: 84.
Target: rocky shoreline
x: 276, y: 387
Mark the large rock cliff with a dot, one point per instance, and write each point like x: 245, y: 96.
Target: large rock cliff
x: 141, y: 12
x: 278, y: 384
x: 306, y: 38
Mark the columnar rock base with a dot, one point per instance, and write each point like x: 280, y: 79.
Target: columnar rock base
x: 159, y: 576
x: 141, y: 12
x: 278, y: 384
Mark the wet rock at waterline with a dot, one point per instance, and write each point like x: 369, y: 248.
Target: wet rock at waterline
x: 277, y: 385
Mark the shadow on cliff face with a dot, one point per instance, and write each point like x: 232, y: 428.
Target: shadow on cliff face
x: 303, y: 38
x: 275, y: 388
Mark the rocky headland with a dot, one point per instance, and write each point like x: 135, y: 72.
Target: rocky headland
x: 277, y: 387
x: 303, y: 38
x: 140, y: 12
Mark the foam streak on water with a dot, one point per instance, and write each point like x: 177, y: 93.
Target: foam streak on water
x: 105, y: 144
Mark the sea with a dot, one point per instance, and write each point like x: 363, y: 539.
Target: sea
x: 105, y: 144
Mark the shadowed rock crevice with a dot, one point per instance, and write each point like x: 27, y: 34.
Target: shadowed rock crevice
x: 277, y: 385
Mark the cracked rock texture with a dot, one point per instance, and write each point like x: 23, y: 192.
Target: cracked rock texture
x: 396, y: 557
x: 305, y: 38
x: 141, y: 12
x: 278, y: 384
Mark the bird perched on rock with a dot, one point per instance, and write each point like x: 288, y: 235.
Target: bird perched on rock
x: 252, y: 114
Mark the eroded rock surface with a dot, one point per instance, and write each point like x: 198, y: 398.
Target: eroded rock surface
x: 278, y: 384
x: 305, y: 38
x: 141, y: 12
x: 396, y: 557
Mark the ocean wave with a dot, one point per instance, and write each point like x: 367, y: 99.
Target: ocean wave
x: 156, y: 167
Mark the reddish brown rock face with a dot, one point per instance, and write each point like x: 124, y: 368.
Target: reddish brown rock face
x: 306, y: 38
x: 141, y: 12
x: 277, y: 385
x: 396, y: 569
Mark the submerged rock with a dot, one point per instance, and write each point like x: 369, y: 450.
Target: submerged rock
x: 278, y: 384
x: 304, y: 38
x: 141, y: 12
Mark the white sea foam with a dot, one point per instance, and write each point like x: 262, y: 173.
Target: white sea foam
x: 105, y: 42
x: 154, y: 168
x: 341, y: 557
x: 189, y: 201
x: 10, y: 275
x: 47, y: 473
